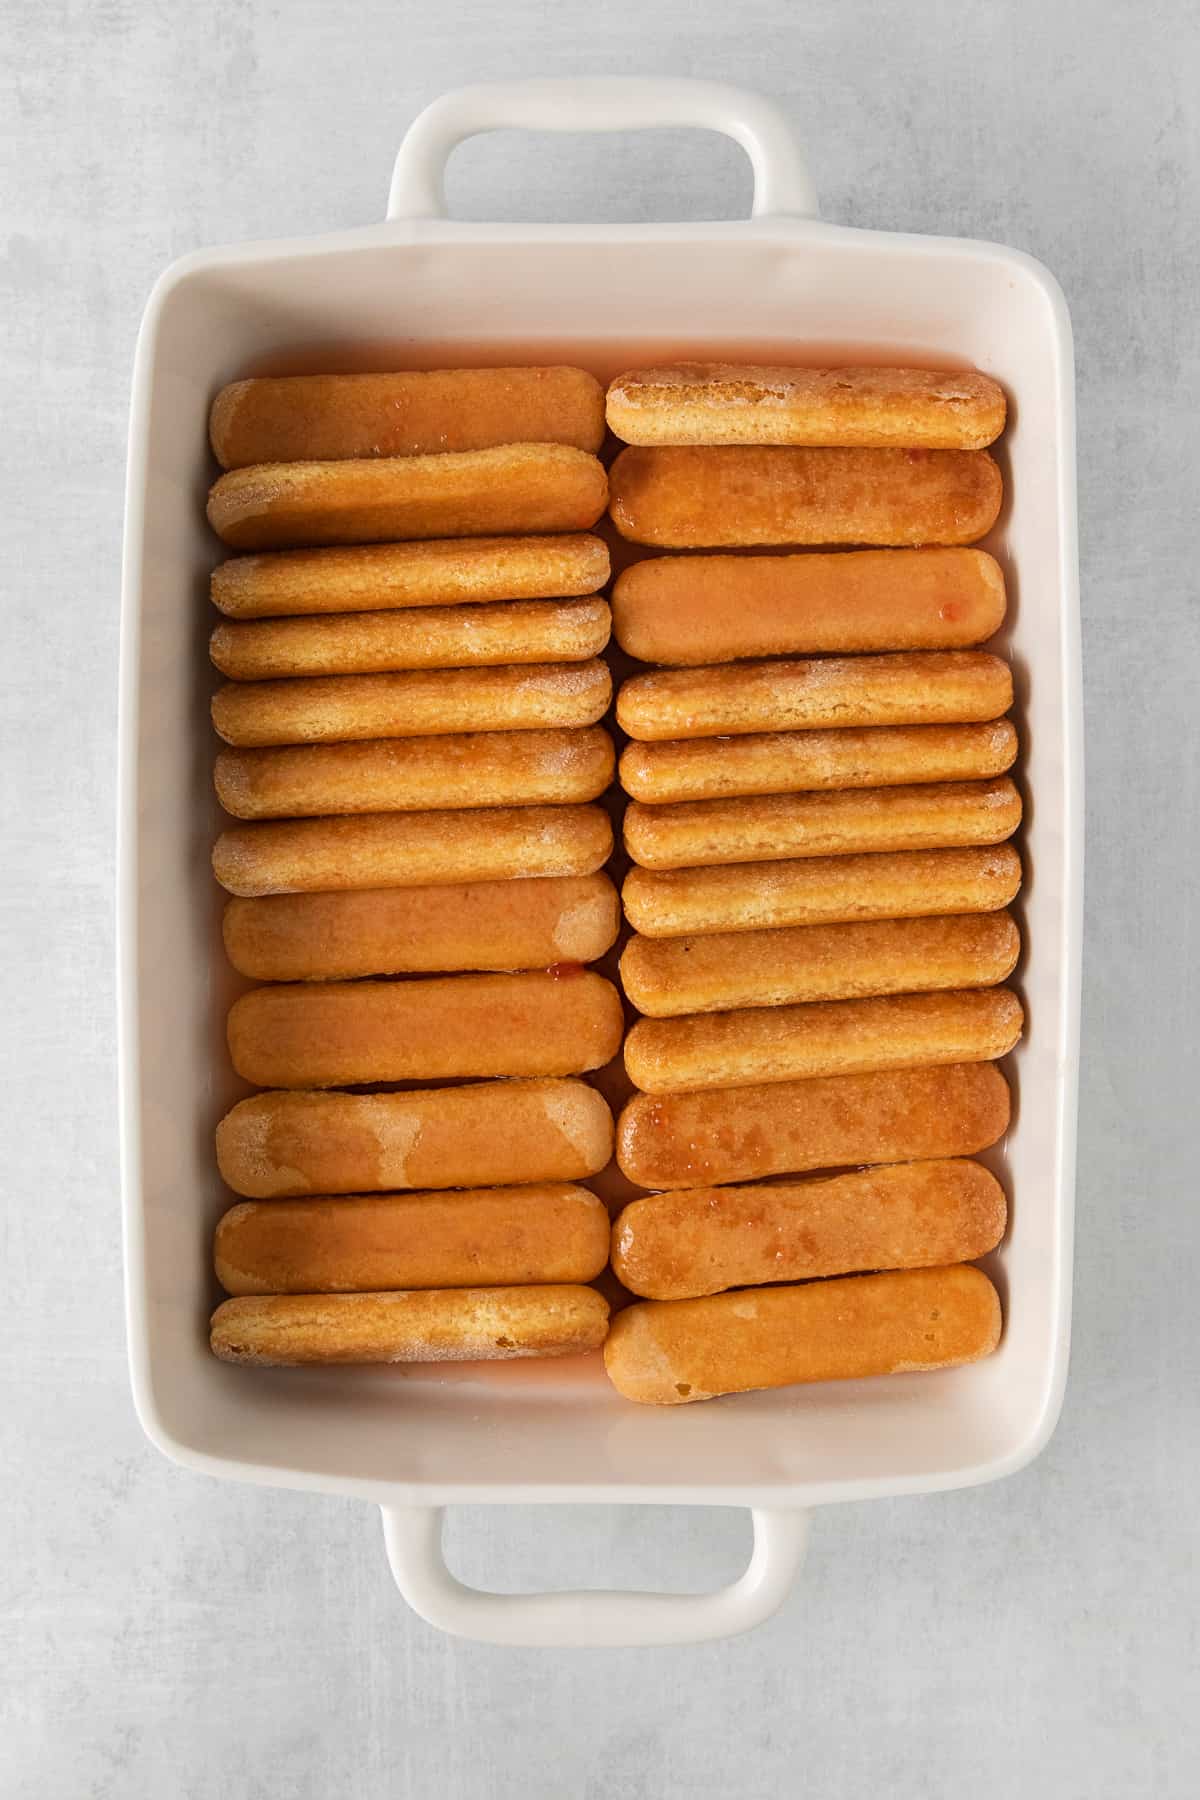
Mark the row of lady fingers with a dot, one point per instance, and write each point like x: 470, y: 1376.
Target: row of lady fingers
x: 656, y: 1352
x: 513, y: 701
x: 671, y: 1245
x: 718, y: 759
x: 677, y: 497
x: 287, y: 1143
x: 669, y: 498
x: 417, y: 412
x: 540, y: 1023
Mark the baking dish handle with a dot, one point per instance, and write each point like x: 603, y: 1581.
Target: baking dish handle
x: 590, y: 1618
x: 781, y: 179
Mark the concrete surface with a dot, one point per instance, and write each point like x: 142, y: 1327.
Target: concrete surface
x: 168, y: 1636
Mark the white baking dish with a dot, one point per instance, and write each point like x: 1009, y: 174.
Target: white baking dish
x: 414, y: 1440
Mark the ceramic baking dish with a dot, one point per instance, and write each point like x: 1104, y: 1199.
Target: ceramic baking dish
x: 415, y: 1440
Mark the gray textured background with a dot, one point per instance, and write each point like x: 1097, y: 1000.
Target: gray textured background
x: 165, y: 1635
